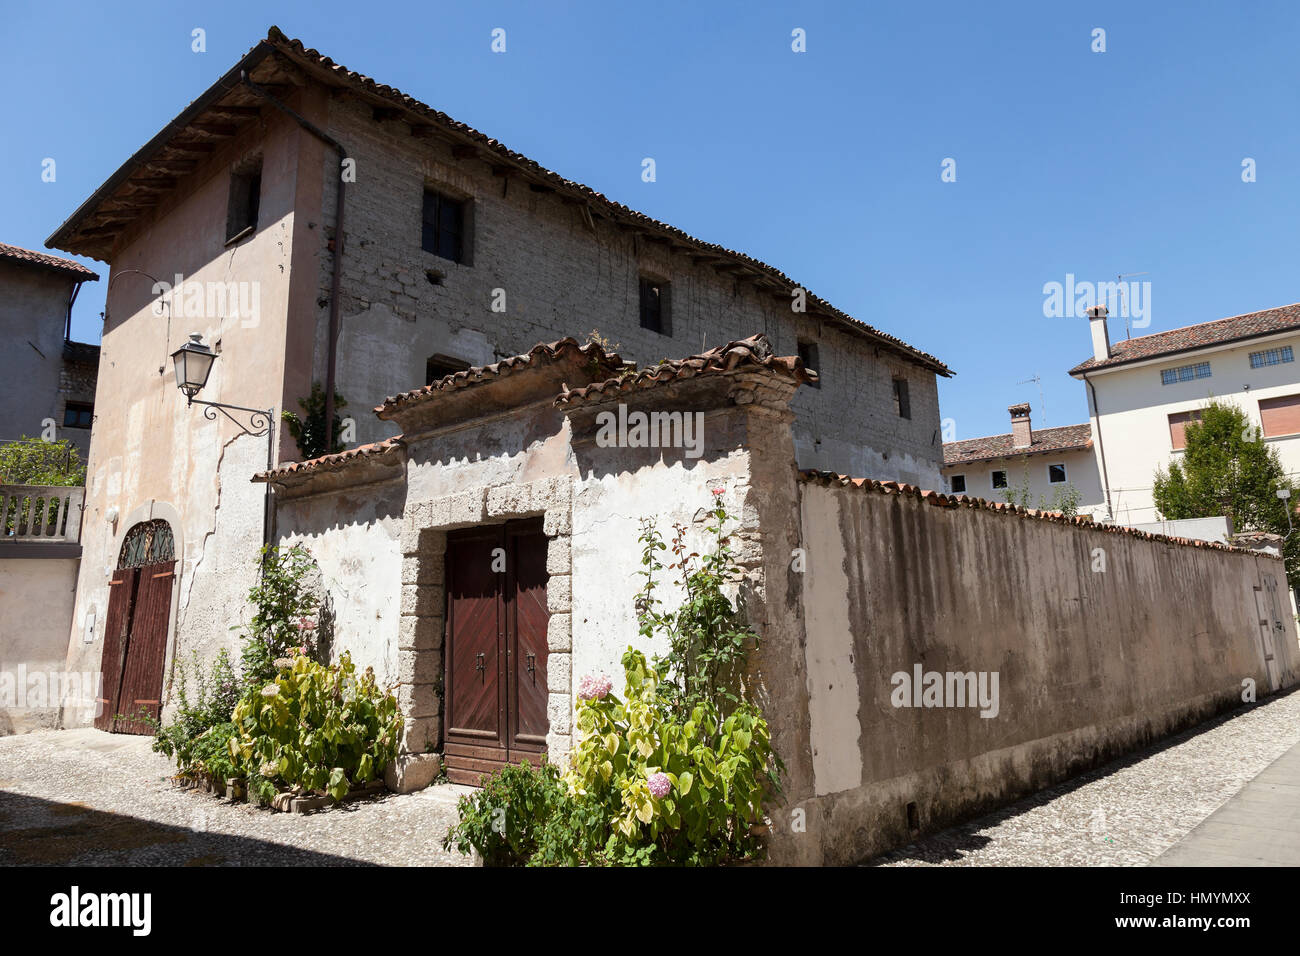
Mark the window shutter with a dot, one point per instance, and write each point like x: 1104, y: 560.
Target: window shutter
x: 1280, y: 416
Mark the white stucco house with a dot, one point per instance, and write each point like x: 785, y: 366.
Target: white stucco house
x: 1142, y: 392
x: 1037, y: 464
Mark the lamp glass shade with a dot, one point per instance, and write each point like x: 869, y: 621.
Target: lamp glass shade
x: 193, y: 362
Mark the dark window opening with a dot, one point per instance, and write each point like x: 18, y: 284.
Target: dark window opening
x: 245, y: 198
x: 999, y: 479
x: 958, y: 484
x: 811, y: 360
x: 440, y: 366
x: 444, y: 226
x: 1056, y: 474
x: 902, y: 402
x: 913, y: 819
x: 655, y: 311
x: 78, y: 415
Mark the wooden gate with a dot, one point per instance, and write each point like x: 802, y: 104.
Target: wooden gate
x: 495, y: 649
x: 1270, y: 627
x: 135, y: 630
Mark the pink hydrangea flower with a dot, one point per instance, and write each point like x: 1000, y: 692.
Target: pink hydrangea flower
x: 719, y: 492
x: 660, y: 785
x: 595, y: 687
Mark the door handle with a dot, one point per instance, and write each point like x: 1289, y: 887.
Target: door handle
x: 480, y: 665
x: 531, y: 666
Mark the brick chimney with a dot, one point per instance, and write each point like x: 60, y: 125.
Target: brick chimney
x: 1022, y: 435
x: 1100, y: 334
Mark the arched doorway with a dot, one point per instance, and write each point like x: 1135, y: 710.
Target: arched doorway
x: 135, y: 628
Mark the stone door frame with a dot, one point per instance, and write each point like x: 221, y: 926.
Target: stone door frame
x: 422, y: 621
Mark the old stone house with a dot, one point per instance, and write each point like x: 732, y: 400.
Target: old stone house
x: 315, y: 226
x: 47, y: 381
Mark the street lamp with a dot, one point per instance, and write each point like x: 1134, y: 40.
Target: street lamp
x: 193, y: 362
x: 1284, y: 494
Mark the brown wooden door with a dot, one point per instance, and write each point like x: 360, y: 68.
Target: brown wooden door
x: 495, y: 649
x: 121, y: 598
x: 146, y: 650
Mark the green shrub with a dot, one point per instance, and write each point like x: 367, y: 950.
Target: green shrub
x: 315, y: 728
x: 194, y: 738
x: 282, y: 617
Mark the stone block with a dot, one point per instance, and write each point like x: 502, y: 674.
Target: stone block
x: 559, y: 712
x: 559, y: 673
x: 559, y: 593
x: 559, y: 554
x: 418, y: 667
x: 559, y: 632
x: 411, y: 772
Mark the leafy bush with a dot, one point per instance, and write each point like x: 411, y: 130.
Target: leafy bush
x: 282, y: 619
x: 34, y: 461
x: 197, y: 738
x: 315, y: 728
x: 308, y: 430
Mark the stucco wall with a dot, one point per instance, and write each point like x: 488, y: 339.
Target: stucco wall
x: 33, y: 307
x: 36, y: 596
x: 1090, y: 662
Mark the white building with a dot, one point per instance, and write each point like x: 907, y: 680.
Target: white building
x: 1041, y: 463
x: 1143, y: 391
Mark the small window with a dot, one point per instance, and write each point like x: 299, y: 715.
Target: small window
x: 78, y: 415
x: 245, y: 198
x: 1056, y: 474
x: 439, y: 367
x: 656, y: 312
x: 808, y: 355
x: 1177, y: 428
x: 902, y: 401
x: 957, y: 483
x: 1184, y: 373
x: 444, y: 226
x: 999, y: 479
x: 1271, y: 357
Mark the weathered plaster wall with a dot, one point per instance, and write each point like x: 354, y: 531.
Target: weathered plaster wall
x: 36, y: 596
x: 150, y: 452
x: 33, y: 306
x: 561, y: 278
x: 1091, y: 663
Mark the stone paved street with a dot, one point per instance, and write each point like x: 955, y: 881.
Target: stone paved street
x: 1129, y: 812
x: 86, y: 797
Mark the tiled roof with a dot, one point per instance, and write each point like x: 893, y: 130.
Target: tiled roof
x: 940, y: 500
x: 337, y: 460
x: 32, y: 258
x: 1063, y: 438
x: 317, y: 64
x: 599, y: 359
x: 755, y: 351
x: 1218, y: 332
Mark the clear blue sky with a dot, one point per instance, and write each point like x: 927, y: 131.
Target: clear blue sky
x: 825, y: 164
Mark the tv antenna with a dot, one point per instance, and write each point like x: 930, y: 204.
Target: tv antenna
x: 1119, y: 280
x: 1037, y: 379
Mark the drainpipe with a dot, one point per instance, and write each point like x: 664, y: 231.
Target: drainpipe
x: 72, y: 300
x: 1101, y: 446
x: 336, y: 269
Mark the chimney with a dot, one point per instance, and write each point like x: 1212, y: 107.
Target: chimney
x: 1100, y: 334
x: 1022, y: 435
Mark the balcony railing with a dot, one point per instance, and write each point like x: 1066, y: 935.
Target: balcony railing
x: 37, y: 514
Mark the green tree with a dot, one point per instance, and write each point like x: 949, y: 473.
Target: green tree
x: 34, y: 461
x: 1227, y: 469
x: 309, y: 429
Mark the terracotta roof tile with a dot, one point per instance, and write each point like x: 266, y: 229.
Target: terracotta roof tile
x: 336, y: 460
x: 938, y: 499
x: 30, y: 257
x: 1218, y: 332
x: 1062, y: 438
x: 480, y: 374
x: 755, y: 351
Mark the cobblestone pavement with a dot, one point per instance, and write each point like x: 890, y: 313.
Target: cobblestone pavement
x: 87, y: 797
x: 1125, y: 813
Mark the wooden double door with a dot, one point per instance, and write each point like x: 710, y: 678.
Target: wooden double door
x: 135, y: 630
x: 495, y: 649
